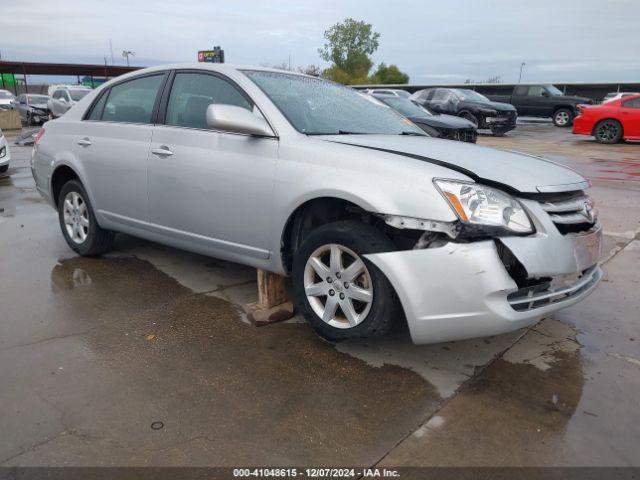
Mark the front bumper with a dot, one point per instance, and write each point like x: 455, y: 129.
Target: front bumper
x: 463, y: 290
x: 504, y: 121
x: 39, y: 116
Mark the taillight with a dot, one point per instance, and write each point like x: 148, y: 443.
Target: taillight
x: 38, y: 136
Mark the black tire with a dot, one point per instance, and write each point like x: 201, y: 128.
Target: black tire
x: 361, y: 239
x: 98, y: 240
x: 563, y: 117
x: 4, y: 168
x: 471, y: 117
x: 608, y: 131
x: 29, y: 120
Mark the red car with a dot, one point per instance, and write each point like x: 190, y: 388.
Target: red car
x: 610, y: 122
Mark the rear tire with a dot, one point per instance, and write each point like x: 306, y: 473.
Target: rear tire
x: 563, y: 117
x: 355, y: 299
x: 78, y: 222
x: 608, y: 131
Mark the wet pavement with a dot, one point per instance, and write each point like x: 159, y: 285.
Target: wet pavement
x: 144, y: 357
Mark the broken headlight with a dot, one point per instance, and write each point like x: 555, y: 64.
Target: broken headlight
x: 481, y: 206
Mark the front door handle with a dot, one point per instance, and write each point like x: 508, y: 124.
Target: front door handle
x: 85, y: 142
x: 163, y: 151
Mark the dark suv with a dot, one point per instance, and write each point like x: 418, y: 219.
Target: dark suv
x: 485, y: 114
x: 544, y: 101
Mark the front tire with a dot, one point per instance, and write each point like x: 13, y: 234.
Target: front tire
x: 78, y: 222
x: 563, y: 117
x: 341, y: 294
x: 4, y: 168
x: 608, y: 131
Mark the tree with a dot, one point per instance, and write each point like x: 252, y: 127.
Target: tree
x: 348, y: 47
x: 389, y: 75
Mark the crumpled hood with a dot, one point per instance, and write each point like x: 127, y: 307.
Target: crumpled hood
x: 516, y: 171
x: 443, y: 121
x: 490, y: 105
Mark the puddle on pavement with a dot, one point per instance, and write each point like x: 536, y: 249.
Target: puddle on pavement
x: 128, y: 346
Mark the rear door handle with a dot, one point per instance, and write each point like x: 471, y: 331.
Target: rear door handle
x: 85, y: 142
x: 163, y: 151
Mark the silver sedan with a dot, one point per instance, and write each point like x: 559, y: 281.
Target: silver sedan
x: 373, y: 219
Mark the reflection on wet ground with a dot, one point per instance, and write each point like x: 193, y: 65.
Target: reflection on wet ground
x: 142, y: 357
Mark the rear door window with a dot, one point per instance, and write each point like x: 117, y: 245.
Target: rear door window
x: 521, y: 90
x: 192, y: 93
x: 536, y: 91
x: 132, y: 101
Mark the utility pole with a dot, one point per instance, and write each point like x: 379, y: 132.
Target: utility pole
x: 128, y: 53
x: 521, y: 67
x: 111, y: 50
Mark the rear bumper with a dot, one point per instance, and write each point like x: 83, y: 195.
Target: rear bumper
x: 7, y: 156
x: 582, y: 126
x: 461, y: 291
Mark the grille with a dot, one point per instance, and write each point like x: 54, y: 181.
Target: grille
x: 570, y: 215
x: 545, y: 294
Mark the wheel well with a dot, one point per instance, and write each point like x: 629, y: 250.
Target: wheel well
x: 61, y: 176
x: 320, y: 211
x: 593, y: 130
x: 313, y: 214
x: 563, y: 107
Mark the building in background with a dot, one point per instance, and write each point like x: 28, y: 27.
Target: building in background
x: 211, y: 56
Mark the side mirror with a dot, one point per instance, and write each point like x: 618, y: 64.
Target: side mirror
x: 237, y: 120
x: 545, y: 93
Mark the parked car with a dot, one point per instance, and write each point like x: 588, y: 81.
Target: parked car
x: 616, y: 95
x: 543, y: 101
x: 396, y: 92
x: 32, y: 108
x: 300, y: 176
x: 6, y: 100
x: 5, y: 154
x: 447, y: 127
x: 478, y: 109
x: 64, y: 98
x: 612, y: 121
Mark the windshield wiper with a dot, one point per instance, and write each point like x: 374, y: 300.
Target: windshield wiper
x: 415, y: 134
x: 339, y: 132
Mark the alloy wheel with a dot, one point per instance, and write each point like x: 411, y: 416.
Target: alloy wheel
x: 562, y: 118
x: 338, y: 286
x: 607, y: 132
x: 76, y: 217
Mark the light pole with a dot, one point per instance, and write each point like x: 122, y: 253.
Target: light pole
x: 521, y: 67
x: 128, y: 53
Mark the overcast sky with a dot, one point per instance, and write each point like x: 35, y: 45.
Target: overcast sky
x: 433, y: 41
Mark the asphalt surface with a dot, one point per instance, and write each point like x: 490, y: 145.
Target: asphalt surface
x: 143, y: 357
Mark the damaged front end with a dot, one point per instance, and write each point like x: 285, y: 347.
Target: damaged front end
x: 461, y: 280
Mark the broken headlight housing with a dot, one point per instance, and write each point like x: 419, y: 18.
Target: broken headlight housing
x: 485, y: 209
